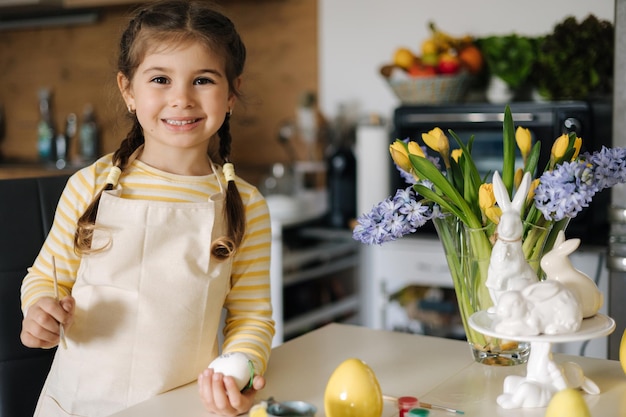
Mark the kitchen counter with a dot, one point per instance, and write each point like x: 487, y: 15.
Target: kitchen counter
x: 436, y: 370
x: 34, y: 169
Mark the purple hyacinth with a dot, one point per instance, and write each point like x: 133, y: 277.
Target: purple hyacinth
x: 570, y: 187
x: 392, y: 218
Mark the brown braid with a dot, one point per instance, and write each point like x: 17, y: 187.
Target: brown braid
x: 234, y: 211
x: 86, y: 222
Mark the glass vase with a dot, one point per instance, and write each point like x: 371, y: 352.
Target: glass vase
x: 468, y: 252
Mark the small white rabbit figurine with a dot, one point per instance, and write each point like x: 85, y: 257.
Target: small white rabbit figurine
x: 508, y: 268
x: 558, y: 267
x: 545, y: 307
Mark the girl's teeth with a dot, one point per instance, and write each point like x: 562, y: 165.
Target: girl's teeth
x: 179, y: 122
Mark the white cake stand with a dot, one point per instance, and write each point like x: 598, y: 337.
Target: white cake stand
x: 543, y: 376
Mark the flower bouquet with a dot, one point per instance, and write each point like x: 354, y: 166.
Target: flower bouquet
x: 462, y: 205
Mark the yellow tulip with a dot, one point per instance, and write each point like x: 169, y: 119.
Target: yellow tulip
x: 523, y: 139
x: 531, y: 193
x: 559, y: 147
x: 456, y: 154
x: 519, y: 174
x: 400, y: 156
x: 494, y: 213
x: 578, y: 143
x: 486, y: 197
x: 416, y: 149
x: 438, y: 141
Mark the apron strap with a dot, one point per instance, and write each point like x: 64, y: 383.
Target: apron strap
x: 115, y: 172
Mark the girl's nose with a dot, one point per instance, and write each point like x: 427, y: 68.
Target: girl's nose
x: 181, y: 97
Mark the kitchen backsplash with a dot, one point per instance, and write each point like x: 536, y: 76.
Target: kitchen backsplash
x: 77, y: 63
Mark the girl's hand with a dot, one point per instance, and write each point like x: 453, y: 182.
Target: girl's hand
x: 220, y: 394
x: 40, y: 327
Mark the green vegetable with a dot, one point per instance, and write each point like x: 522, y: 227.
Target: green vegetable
x: 509, y: 57
x: 576, y: 60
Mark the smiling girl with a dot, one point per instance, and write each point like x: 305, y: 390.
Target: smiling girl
x: 152, y: 241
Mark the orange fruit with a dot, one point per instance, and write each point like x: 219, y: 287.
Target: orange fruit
x: 471, y: 58
x: 429, y: 46
x: 403, y: 58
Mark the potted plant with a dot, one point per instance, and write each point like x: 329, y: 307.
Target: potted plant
x: 509, y: 60
x: 575, y: 60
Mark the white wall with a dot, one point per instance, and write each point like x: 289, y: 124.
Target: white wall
x: 358, y: 36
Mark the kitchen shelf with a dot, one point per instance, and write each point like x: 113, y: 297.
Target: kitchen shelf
x: 347, y: 307
x: 314, y: 278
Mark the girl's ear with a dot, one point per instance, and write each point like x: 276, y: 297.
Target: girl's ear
x: 232, y: 97
x: 123, y: 84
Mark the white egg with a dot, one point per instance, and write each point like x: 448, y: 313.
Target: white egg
x: 233, y: 364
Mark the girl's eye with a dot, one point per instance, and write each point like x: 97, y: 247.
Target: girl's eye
x: 203, y: 81
x: 159, y: 80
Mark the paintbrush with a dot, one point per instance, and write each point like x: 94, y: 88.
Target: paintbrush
x: 426, y: 405
x: 56, y: 296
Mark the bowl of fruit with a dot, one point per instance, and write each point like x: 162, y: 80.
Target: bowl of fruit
x: 440, y: 72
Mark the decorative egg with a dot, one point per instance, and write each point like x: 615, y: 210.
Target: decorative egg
x: 233, y: 364
x: 353, y: 391
x: 568, y: 402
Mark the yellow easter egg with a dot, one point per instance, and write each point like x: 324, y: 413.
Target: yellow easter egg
x: 568, y: 403
x: 353, y: 391
x: 622, y: 351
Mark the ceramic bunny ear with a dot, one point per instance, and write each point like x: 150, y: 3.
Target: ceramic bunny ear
x: 521, y: 193
x: 567, y: 246
x: 500, y: 192
x: 502, y: 195
x: 560, y: 238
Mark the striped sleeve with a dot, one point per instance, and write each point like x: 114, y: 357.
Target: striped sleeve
x: 76, y: 196
x: 249, y: 327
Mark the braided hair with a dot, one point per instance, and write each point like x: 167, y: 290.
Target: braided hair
x: 176, y: 21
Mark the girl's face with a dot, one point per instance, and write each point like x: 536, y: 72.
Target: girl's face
x: 181, y: 97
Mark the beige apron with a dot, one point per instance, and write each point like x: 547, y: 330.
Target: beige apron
x: 147, y: 308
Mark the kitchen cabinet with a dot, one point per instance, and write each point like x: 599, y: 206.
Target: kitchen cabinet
x: 313, y: 277
x: 415, y: 263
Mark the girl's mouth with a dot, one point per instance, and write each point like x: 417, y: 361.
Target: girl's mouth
x: 180, y: 122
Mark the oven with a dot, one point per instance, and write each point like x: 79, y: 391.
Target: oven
x: 590, y: 120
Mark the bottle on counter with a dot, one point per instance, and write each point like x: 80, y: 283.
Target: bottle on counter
x: 45, y: 128
x: 88, y: 136
x: 64, y: 141
x: 341, y: 173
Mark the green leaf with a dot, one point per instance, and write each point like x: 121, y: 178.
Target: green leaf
x: 455, y: 173
x: 424, y: 168
x: 441, y: 201
x: 469, y: 167
x: 533, y: 159
x: 508, y: 149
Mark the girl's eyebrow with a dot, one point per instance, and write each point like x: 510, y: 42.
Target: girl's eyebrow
x: 200, y: 71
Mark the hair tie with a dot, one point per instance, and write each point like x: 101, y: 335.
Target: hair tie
x: 114, y: 175
x: 229, y: 171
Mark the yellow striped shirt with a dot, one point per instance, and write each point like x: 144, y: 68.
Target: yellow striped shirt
x: 249, y: 326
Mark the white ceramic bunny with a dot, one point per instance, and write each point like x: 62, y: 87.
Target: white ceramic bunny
x: 508, y: 268
x: 543, y: 379
x: 558, y: 267
x: 546, y: 307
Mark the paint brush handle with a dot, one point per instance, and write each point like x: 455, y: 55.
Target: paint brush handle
x: 439, y: 407
x: 56, y: 296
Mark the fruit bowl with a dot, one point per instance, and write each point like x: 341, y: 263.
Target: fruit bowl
x: 434, y: 89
